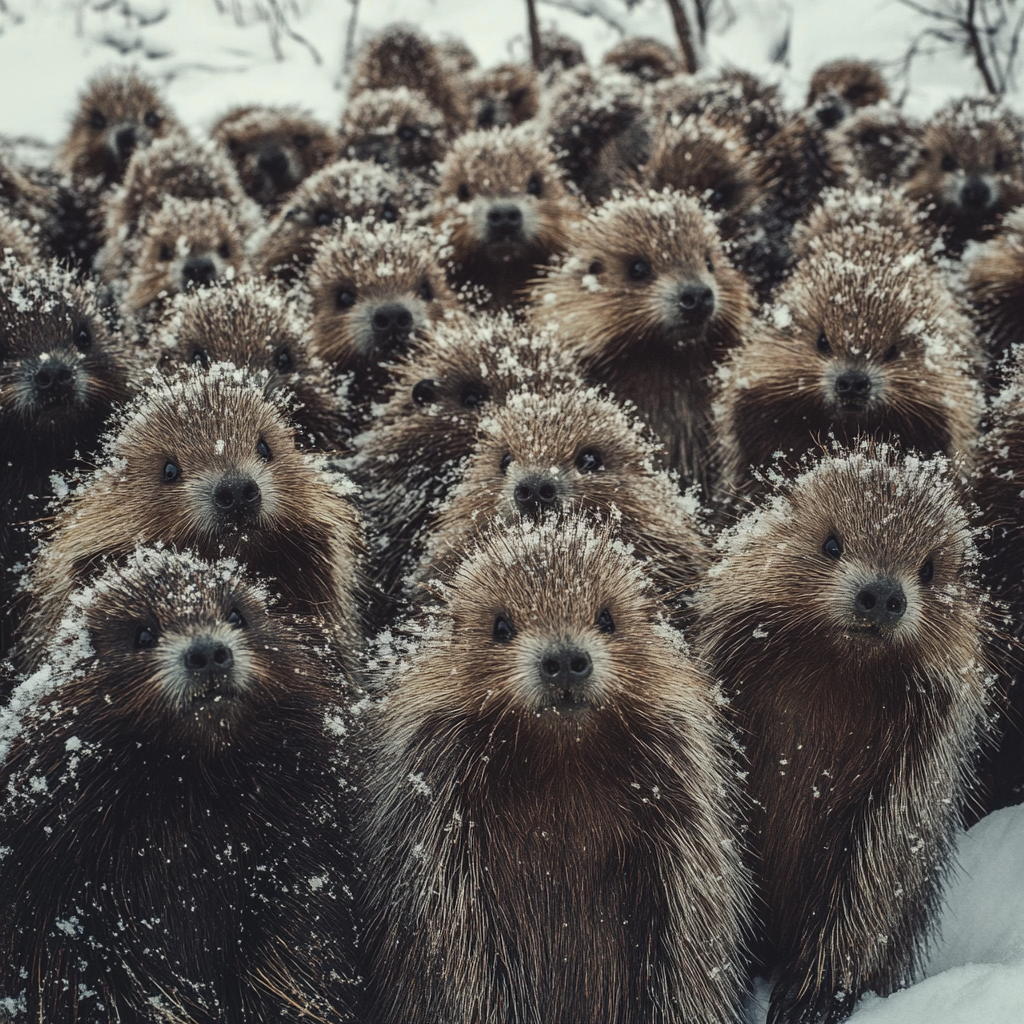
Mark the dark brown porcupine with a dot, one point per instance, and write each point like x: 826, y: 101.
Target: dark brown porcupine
x: 876, y: 144
x: 274, y: 149
x: 177, y: 840
x: 402, y: 56
x: 63, y: 371
x: 503, y: 207
x: 846, y: 626
x: 317, y: 209
x: 539, y: 454
x: 551, y: 816
x: 865, y: 338
x: 205, y: 461
x: 559, y: 52
x: 396, y: 128
x: 840, y: 87
x: 252, y: 325
x: 508, y: 94
x: 647, y: 302
x: 644, y: 59
x: 410, y: 459
x: 21, y: 196
x: 456, y: 57
x: 375, y: 288
x: 18, y: 240
x: 970, y: 169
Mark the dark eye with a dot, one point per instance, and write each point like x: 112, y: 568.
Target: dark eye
x: 927, y: 572
x: 426, y: 292
x: 224, y: 251
x: 473, y: 396
x: 236, y: 619
x: 892, y: 353
x: 145, y: 637
x: 504, y: 631
x: 152, y: 119
x: 424, y: 392
x: 97, y: 120
x: 389, y: 214
x: 949, y: 163
x: 463, y: 193
x: 302, y: 141
x: 506, y: 461
x: 171, y: 472
x: 346, y: 299
x: 639, y: 269
x: 283, y: 359
x: 200, y: 358
x: 589, y: 461
x: 166, y: 252
x: 263, y: 450
x: 516, y: 96
x: 324, y: 217
x: 406, y: 133
x: 1000, y: 162
x: 709, y: 263
x: 595, y: 268
x: 716, y: 198
x: 832, y: 548
x: 823, y: 345
x: 605, y: 623
x: 534, y: 185
x: 83, y: 340
x: 294, y: 212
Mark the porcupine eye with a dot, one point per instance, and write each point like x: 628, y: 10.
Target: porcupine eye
x: 323, y: 218
x: 263, y: 450
x: 506, y: 461
x: 97, y: 120
x: 302, y: 141
x: 426, y: 292
x: 927, y: 572
x: 83, y: 339
x: 388, y: 213
x: 224, y: 251
x: 283, y: 359
x: 504, y: 631
x: 595, y: 268
x: 1000, y: 162
x: 589, y: 461
x: 145, y: 637
x: 534, y: 186
x: 949, y: 163
x: 463, y: 193
x: 823, y: 346
x: 407, y: 133
x: 165, y: 252
x: 710, y: 264
x: 891, y: 353
x: 236, y: 620
x: 832, y: 548
x: 639, y: 270
x: 172, y: 472
x: 200, y: 358
x: 152, y: 119
x: 474, y: 396
x: 346, y: 299
x: 424, y: 392
x: 605, y: 623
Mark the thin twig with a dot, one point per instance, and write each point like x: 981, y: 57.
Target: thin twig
x: 975, y: 43
x: 682, y: 24
x: 531, y: 17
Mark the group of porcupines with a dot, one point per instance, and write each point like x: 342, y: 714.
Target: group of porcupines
x: 547, y: 551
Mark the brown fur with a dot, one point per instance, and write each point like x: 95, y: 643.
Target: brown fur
x: 550, y: 854
x: 18, y: 240
x: 970, y: 151
x: 20, y: 196
x: 411, y: 457
x: 877, y: 144
x: 191, y: 825
x: 401, y: 56
x: 274, y: 149
x: 397, y: 128
x: 318, y: 208
x: 644, y: 59
x: 859, y: 732
x: 456, y: 57
x: 210, y: 426
x: 632, y: 334
x: 862, y: 300
x: 507, y: 94
x: 559, y: 52
x: 253, y: 326
x: 589, y: 454
x: 375, y: 288
x: 114, y: 102
x: 491, y: 174
x: 840, y: 87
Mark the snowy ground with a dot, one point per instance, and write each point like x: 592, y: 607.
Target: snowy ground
x: 211, y: 55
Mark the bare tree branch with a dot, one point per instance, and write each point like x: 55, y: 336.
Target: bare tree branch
x: 979, y: 53
x: 682, y: 24
x: 531, y: 17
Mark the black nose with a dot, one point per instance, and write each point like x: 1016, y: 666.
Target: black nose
x: 237, y: 494
x: 563, y: 670
x: 485, y: 119
x: 125, y: 140
x: 697, y: 301
x: 830, y: 115
x: 975, y: 193
x: 504, y: 221
x: 853, y: 384
x: 53, y: 380
x: 198, y: 271
x: 207, y: 656
x: 391, y: 319
x: 536, y: 493
x: 881, y: 601
x: 274, y: 162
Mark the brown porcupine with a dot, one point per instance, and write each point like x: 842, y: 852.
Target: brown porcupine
x: 551, y: 812
x: 840, y: 87
x: 876, y: 144
x: 504, y: 209
x: 176, y: 828
x: 410, y: 458
x: 18, y: 240
x: 558, y: 52
x: 252, y: 325
x: 207, y: 462
x: 401, y: 56
x: 539, y: 454
x: 865, y: 337
x: 375, y: 288
x: 845, y: 623
x: 645, y: 59
x: 969, y: 169
x: 647, y: 301
x: 396, y: 128
x: 457, y: 59
x: 317, y: 209
x: 274, y: 149
x: 63, y: 371
x: 506, y: 94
